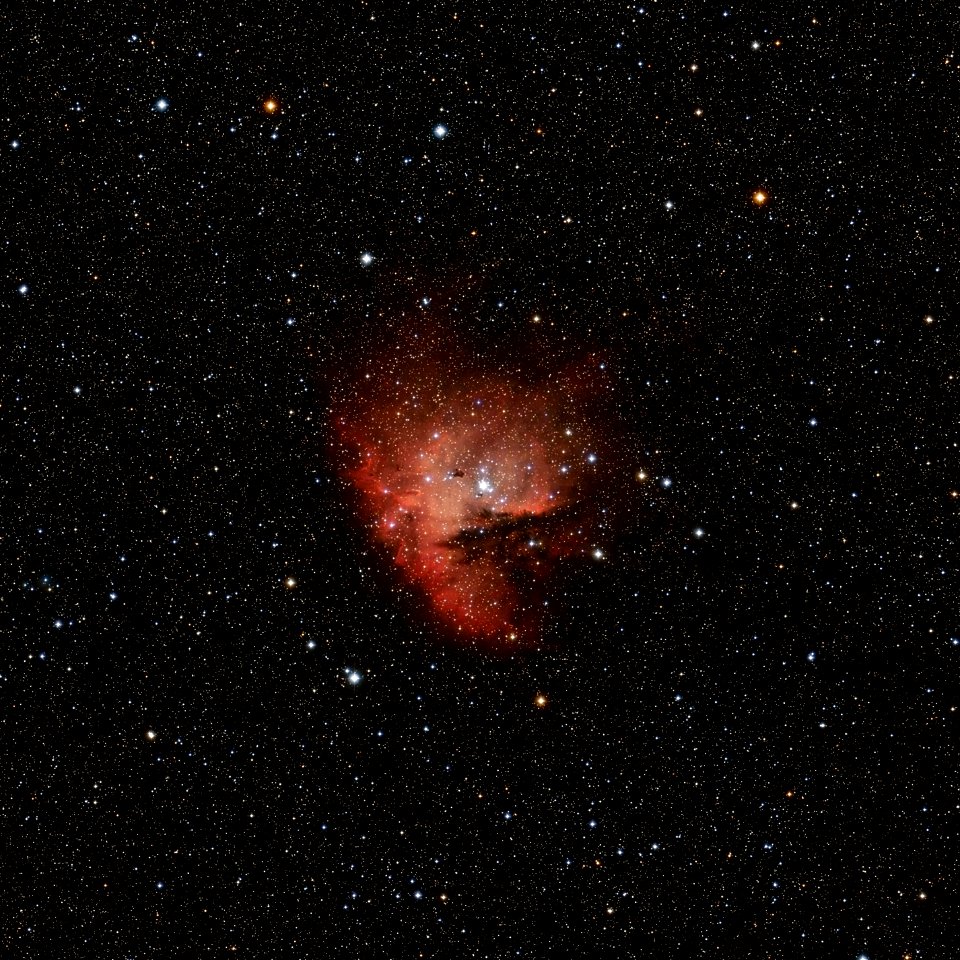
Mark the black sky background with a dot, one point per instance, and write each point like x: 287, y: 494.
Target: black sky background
x: 749, y: 746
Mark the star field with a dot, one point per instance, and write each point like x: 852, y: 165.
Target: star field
x: 480, y: 482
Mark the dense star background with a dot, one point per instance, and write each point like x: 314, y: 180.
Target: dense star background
x: 226, y: 721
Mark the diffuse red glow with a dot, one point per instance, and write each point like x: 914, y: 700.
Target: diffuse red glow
x: 476, y: 486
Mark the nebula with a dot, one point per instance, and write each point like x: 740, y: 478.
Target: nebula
x: 478, y: 483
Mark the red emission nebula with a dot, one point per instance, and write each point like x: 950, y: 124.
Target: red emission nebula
x: 478, y: 484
